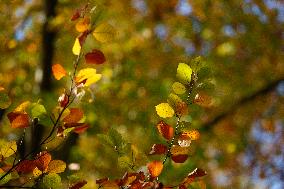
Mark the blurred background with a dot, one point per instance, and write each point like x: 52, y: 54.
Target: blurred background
x: 242, y: 133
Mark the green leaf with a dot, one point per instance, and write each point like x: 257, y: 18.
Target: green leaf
x: 124, y: 162
x: 105, y: 140
x: 164, y: 110
x: 52, y: 180
x: 6, y: 179
x: 8, y: 148
x: 178, y: 88
x: 203, y: 73
x: 5, y: 100
x: 38, y: 110
x: 184, y: 73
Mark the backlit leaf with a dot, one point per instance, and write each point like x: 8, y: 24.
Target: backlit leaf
x: 196, y: 173
x: 26, y: 166
x: 8, y: 148
x: 37, y: 172
x: 124, y: 161
x: 22, y: 107
x: 88, y: 74
x: 76, y: 47
x: 178, y: 88
x: 51, y: 180
x: 58, y: 71
x: 164, y: 110
x: 18, y: 119
x: 81, y: 129
x: 38, y: 110
x: 95, y: 57
x: 83, y: 24
x: 104, y: 32
x: 56, y: 166
x: 202, y: 99
x: 6, y: 179
x: 5, y: 100
x: 184, y: 73
x: 158, y: 149
x: 178, y: 150
x: 165, y: 130
x: 42, y: 160
x: 155, y: 168
x: 192, y: 135
x: 75, y: 115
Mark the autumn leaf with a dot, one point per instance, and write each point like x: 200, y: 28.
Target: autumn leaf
x: 165, y: 130
x: 75, y: 15
x: 18, y: 119
x: 56, y: 166
x: 8, y: 148
x: 184, y: 73
x: 192, y: 135
x: 164, y: 110
x: 23, y: 106
x: 5, y: 100
x: 26, y: 166
x: 178, y: 150
x: 78, y: 185
x: 158, y: 149
x: 42, y: 160
x: 181, y: 158
x: 104, y: 32
x: 83, y: 24
x: 81, y: 129
x: 197, y: 172
x: 178, y: 88
x: 155, y: 168
x: 95, y: 57
x: 76, y: 47
x: 88, y: 74
x: 58, y: 71
x: 75, y: 115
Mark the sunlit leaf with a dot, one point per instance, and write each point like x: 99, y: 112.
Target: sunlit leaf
x: 158, y: 149
x: 178, y: 150
x: 155, y: 168
x: 165, y: 130
x: 18, y: 119
x: 104, y: 32
x: 124, y: 161
x: 58, y: 71
x: 76, y: 47
x: 95, y: 57
x: 6, y: 179
x: 5, y: 100
x: 37, y: 172
x: 81, y: 129
x: 26, y: 166
x: 197, y: 172
x: 88, y: 74
x: 192, y: 135
x: 184, y: 73
x: 178, y: 88
x: 75, y: 115
x: 164, y: 110
x: 56, y: 166
x: 8, y: 148
x: 202, y: 99
x: 83, y: 24
x: 23, y: 106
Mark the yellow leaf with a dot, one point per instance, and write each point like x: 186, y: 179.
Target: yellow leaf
x: 37, y: 172
x: 184, y: 73
x: 83, y: 24
x: 8, y: 148
x: 88, y: 74
x: 104, y: 32
x: 178, y: 88
x: 76, y: 47
x: 56, y: 166
x: 164, y: 110
x: 22, y: 107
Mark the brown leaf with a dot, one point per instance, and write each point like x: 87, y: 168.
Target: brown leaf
x: 81, y: 129
x: 75, y: 15
x: 26, y: 166
x: 181, y: 158
x: 74, y: 116
x: 95, y: 57
x: 42, y: 160
x: 83, y: 36
x: 18, y: 119
x: 196, y: 173
x: 181, y: 108
x: 165, y: 130
x: 78, y: 185
x: 158, y: 149
x: 63, y: 100
x: 155, y: 168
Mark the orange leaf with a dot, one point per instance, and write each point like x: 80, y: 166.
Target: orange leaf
x: 18, y: 119
x: 83, y: 25
x: 58, y: 71
x: 165, y: 130
x: 42, y: 160
x: 192, y: 135
x: 95, y: 57
x: 74, y: 116
x: 75, y: 15
x: 26, y: 166
x: 155, y: 168
x: 158, y: 149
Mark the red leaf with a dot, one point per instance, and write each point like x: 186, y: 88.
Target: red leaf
x: 76, y: 15
x: 196, y: 173
x: 63, y: 100
x: 155, y: 168
x: 158, y: 149
x: 181, y: 158
x: 42, y: 160
x: 165, y: 130
x: 81, y: 129
x: 18, y: 119
x: 82, y: 38
x: 95, y: 57
x: 74, y: 116
x: 78, y: 185
x: 26, y: 166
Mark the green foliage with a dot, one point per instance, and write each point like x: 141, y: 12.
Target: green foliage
x: 51, y: 181
x: 5, y: 100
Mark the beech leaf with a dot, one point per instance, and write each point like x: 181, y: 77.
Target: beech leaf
x: 88, y: 74
x: 58, y: 71
x: 104, y: 32
x: 184, y: 73
x: 165, y: 130
x: 95, y: 57
x: 164, y: 110
x: 76, y: 47
x: 155, y: 168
